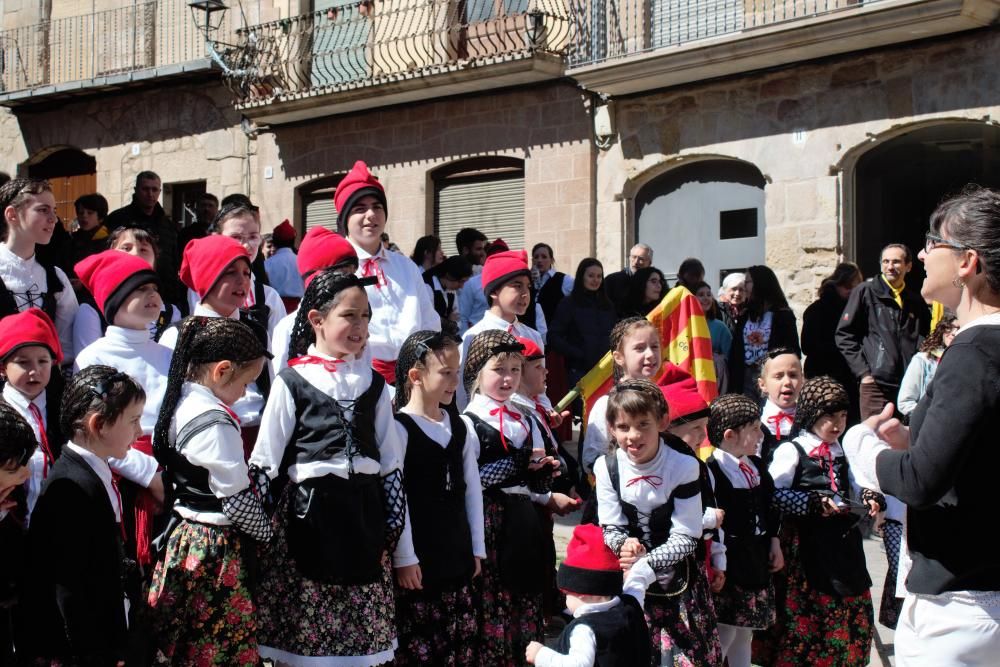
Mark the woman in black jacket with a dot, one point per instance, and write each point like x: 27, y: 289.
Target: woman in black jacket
x: 583, y: 321
x: 766, y: 324
x: 819, y: 324
x: 646, y: 288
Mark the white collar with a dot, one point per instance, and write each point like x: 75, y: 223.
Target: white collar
x: 204, y: 310
x: 20, y: 401
x: 103, y: 471
x: 7, y: 254
x: 770, y: 409
x: 811, y: 441
x: 594, y: 607
x: 200, y: 391
x: 517, y: 430
x: 128, y: 336
x: 992, y: 319
x: 500, y: 323
x: 364, y: 254
x: 731, y: 468
x: 654, y: 463
x: 312, y: 351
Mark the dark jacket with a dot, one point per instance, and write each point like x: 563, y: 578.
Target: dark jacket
x: 616, y: 287
x: 580, y: 332
x: 783, y: 334
x: 165, y: 232
x: 877, y: 337
x: 819, y: 326
x: 73, y: 591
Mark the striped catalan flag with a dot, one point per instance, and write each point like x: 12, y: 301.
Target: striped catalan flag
x: 686, y: 342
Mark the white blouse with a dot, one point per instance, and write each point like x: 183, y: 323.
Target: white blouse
x: 595, y: 439
x: 490, y: 322
x: 786, y: 460
x: 351, y: 379
x: 440, y: 432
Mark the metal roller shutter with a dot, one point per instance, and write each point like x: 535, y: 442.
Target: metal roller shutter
x: 493, y: 204
x: 320, y: 212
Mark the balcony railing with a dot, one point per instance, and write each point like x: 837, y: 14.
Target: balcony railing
x: 383, y: 41
x: 102, y: 44
x: 612, y: 29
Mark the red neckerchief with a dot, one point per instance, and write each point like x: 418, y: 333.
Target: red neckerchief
x: 750, y: 474
x: 825, y: 456
x: 329, y: 365
x: 654, y: 481
x: 231, y: 413
x: 513, y: 414
x: 121, y: 512
x: 47, y: 458
x: 371, y: 267
x: 776, y: 419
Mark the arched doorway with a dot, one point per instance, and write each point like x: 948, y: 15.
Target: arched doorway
x: 899, y: 183
x: 72, y: 174
x: 710, y: 209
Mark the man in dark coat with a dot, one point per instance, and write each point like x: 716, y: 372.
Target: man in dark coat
x: 616, y: 284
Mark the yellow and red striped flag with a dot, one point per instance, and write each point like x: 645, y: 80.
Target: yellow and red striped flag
x: 686, y: 342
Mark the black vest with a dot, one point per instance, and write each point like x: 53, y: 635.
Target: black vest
x: 621, y: 634
x: 321, y: 429
x: 8, y: 304
x: 190, y: 483
x: 491, y: 449
x: 831, y: 548
x: 434, y: 479
x: 256, y: 317
x: 770, y: 443
x: 747, y: 513
x: 704, y: 488
x: 550, y: 295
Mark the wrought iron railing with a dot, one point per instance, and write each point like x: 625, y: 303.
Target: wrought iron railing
x: 611, y: 29
x: 377, y: 42
x: 91, y: 46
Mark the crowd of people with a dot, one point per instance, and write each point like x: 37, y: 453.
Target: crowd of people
x: 343, y: 455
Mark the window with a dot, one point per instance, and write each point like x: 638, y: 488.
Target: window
x: 180, y: 199
x: 485, y: 193
x: 738, y: 224
x: 316, y: 203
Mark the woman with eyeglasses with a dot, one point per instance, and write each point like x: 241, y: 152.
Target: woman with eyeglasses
x: 941, y: 466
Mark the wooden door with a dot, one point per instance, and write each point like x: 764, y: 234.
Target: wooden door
x: 67, y: 189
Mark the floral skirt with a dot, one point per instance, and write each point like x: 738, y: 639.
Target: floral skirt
x: 682, y: 628
x: 302, y: 618
x: 815, y: 628
x: 436, y: 628
x: 508, y: 621
x: 200, y: 607
x: 743, y: 608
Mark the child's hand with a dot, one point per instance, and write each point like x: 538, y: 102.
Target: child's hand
x: 410, y: 577
x: 631, y: 551
x: 873, y: 508
x: 478, y: 566
x: 829, y: 506
x: 718, y: 580
x: 557, y: 418
x: 775, y: 559
x: 532, y: 651
x: 562, y: 504
x: 542, y: 462
x: 720, y: 514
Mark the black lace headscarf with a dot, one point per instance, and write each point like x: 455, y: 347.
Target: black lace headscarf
x: 730, y: 411
x: 321, y: 295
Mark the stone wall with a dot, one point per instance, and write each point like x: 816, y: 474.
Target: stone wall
x: 803, y: 127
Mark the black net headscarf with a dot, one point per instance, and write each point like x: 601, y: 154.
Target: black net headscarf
x: 203, y: 340
x: 819, y: 396
x: 320, y: 296
x: 484, y: 347
x: 413, y: 351
x: 730, y: 411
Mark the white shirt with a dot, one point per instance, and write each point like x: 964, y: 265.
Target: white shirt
x: 487, y: 323
x: 103, y: 472
x: 518, y: 433
x: 283, y: 273
x: 471, y: 302
x: 786, y: 460
x: 272, y: 300
x: 596, y: 441
x: 25, y: 278
x: 131, y: 351
x: 582, y: 642
x: 251, y: 404
x: 766, y: 418
x: 567, y: 281
x: 36, y: 464
x: 281, y: 339
x: 87, y: 325
x: 217, y: 449
x: 352, y: 378
x: 400, y: 307
x: 440, y: 433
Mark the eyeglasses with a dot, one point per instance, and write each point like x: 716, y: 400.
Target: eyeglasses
x: 932, y: 241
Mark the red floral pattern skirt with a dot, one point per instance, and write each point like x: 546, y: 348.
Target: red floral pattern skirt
x: 436, y: 628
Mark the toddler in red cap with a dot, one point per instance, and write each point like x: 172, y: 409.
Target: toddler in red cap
x: 608, y: 626
x: 399, y: 301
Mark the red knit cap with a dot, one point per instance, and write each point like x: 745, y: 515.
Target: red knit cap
x: 206, y: 259
x: 31, y: 327
x: 681, y: 392
x: 358, y: 183
x: 531, y: 349
x: 284, y: 232
x: 495, y: 246
x: 503, y: 267
x: 590, y: 568
x: 112, y: 275
x: 322, y: 249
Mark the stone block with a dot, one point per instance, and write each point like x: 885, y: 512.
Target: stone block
x: 800, y: 201
x: 574, y: 191
x: 785, y: 86
x: 853, y: 74
x: 899, y: 96
x: 818, y: 236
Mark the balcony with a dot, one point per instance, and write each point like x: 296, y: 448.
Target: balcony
x: 94, y: 53
x: 384, y: 52
x: 628, y: 46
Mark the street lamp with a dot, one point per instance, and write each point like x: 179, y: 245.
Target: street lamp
x: 208, y: 15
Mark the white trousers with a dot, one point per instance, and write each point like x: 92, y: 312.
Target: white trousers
x: 958, y: 628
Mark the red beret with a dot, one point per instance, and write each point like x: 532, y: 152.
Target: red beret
x: 684, y: 402
x: 206, y: 259
x: 531, y: 350
x: 322, y: 249
x: 283, y: 232
x: 112, y: 275
x: 495, y: 246
x: 503, y: 267
x: 590, y: 567
x: 358, y: 183
x: 31, y: 327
